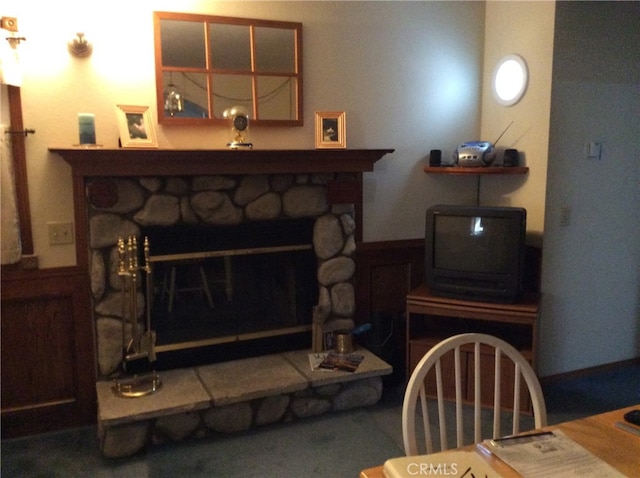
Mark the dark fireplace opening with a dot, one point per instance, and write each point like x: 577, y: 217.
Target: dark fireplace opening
x: 228, y: 292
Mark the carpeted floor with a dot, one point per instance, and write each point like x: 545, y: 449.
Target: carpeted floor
x: 336, y: 445
x: 317, y: 447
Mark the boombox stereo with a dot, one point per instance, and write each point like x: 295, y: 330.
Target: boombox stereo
x: 475, y: 154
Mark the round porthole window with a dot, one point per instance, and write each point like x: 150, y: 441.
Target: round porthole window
x: 510, y: 80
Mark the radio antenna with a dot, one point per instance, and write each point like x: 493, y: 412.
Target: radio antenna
x: 503, y: 132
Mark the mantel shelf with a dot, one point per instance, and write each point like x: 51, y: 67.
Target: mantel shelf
x: 481, y: 171
x: 87, y: 162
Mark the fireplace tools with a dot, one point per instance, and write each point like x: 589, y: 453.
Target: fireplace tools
x: 138, y: 349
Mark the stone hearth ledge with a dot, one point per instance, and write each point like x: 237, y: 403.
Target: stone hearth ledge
x: 231, y: 397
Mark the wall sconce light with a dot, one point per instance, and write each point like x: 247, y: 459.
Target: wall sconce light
x: 79, y: 46
x: 510, y: 80
x: 11, y: 25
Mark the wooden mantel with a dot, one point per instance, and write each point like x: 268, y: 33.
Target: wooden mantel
x: 86, y: 162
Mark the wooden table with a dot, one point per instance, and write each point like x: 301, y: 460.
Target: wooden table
x: 596, y: 433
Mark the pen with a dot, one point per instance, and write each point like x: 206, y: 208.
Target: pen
x: 629, y: 428
x: 519, y: 438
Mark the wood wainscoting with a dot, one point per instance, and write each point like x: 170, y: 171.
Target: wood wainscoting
x: 385, y: 273
x: 48, y: 357
x: 48, y: 346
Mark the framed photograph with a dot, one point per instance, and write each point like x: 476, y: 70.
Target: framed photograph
x: 331, y: 130
x: 135, y: 127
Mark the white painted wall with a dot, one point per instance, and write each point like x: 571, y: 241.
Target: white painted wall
x: 407, y: 74
x: 591, y: 266
x: 524, y: 28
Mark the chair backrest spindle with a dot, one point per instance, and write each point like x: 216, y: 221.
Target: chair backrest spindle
x: 458, y: 377
x: 477, y: 412
x: 516, y: 399
x: 497, y: 393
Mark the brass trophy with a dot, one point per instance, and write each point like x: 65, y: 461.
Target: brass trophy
x: 239, y: 118
x: 138, y: 349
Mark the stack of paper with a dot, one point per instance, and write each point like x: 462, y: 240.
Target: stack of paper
x: 548, y: 454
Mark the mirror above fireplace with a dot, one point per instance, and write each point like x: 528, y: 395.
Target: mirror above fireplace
x: 206, y: 64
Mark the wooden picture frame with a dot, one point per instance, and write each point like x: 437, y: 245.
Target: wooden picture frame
x: 135, y: 127
x: 331, y: 130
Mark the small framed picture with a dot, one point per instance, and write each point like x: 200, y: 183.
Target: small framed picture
x: 331, y: 130
x: 135, y: 127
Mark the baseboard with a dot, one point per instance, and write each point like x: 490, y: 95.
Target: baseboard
x: 584, y: 372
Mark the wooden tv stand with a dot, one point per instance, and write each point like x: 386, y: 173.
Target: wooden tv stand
x: 431, y: 319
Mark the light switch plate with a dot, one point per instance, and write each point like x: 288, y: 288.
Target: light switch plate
x: 594, y: 150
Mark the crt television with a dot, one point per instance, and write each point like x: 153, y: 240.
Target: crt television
x: 475, y: 253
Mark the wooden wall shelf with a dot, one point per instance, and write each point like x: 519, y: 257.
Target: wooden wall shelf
x: 481, y: 171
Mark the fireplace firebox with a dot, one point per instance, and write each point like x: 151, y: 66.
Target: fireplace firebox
x: 222, y: 292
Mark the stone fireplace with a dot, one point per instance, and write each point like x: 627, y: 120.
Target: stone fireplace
x: 128, y: 192
x: 122, y: 192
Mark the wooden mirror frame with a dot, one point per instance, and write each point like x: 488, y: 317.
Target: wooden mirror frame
x: 208, y: 73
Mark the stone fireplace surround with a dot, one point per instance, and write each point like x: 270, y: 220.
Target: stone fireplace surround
x: 216, y: 201
x: 264, y: 184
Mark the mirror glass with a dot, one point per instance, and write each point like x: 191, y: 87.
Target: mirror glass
x: 206, y: 64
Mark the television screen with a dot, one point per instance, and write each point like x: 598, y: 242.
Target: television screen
x: 474, y: 244
x: 474, y: 252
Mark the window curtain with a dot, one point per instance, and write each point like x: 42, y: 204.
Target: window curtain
x: 11, y: 250
x: 10, y: 74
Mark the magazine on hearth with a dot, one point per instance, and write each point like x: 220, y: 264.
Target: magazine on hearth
x: 341, y: 362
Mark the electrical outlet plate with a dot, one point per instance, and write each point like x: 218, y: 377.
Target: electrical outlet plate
x: 29, y: 262
x: 60, y: 233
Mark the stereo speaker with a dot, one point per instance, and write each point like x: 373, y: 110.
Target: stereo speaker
x: 511, y: 158
x: 435, y: 157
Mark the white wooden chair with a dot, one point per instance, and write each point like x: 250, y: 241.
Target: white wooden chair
x: 469, y: 346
